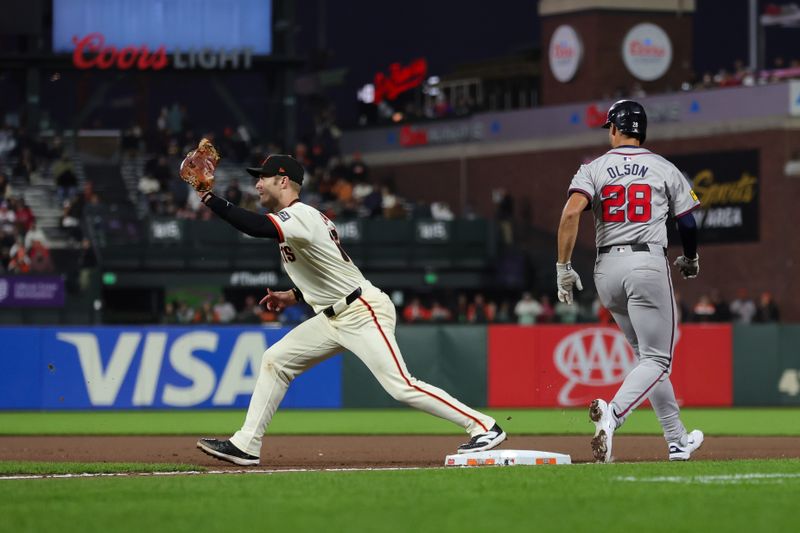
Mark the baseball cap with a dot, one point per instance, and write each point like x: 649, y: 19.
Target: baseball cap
x: 279, y: 165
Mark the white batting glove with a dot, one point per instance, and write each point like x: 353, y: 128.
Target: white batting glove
x: 566, y: 278
x: 689, y: 268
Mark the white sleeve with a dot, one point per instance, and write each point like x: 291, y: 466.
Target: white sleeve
x: 290, y: 227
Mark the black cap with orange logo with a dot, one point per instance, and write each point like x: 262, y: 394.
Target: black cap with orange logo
x: 279, y: 165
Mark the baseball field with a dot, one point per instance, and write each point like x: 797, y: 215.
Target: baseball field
x: 381, y: 470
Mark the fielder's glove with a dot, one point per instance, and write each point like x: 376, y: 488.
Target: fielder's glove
x: 689, y: 268
x: 565, y: 279
x: 197, y: 168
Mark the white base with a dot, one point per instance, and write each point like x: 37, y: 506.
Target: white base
x: 507, y: 458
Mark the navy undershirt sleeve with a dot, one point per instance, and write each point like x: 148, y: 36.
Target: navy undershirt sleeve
x: 245, y: 221
x: 687, y: 227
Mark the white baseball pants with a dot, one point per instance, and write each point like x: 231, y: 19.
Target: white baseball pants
x: 365, y: 328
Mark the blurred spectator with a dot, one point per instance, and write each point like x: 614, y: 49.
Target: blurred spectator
x: 40, y: 258
x: 224, y: 310
x: 767, y: 309
x: 743, y: 308
x: 392, y: 206
x: 206, y: 314
x: 548, y: 313
x: 170, y: 315
x: 503, y: 313
x: 184, y: 313
x: 4, y: 187
x: 35, y: 234
x: 8, y: 219
x: 527, y: 310
x: 567, y: 313
x: 25, y: 217
x: 462, y: 308
x: 440, y: 313
x: 19, y: 262
x: 250, y: 312
x: 66, y: 182
x: 504, y: 212
x: 416, y: 312
x: 703, y: 310
x: 233, y: 193
x: 480, y: 311
x: 721, y: 310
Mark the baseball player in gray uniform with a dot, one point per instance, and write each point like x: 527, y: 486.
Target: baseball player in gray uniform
x: 352, y: 314
x: 632, y: 192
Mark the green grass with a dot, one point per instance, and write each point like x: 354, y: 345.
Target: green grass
x: 734, y: 421
x: 11, y: 468
x: 623, y: 497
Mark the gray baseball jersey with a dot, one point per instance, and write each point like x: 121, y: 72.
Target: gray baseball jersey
x: 632, y: 191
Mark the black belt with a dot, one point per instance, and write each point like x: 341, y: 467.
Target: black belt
x: 634, y: 248
x: 352, y: 297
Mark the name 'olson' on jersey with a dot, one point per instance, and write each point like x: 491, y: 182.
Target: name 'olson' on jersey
x: 628, y: 169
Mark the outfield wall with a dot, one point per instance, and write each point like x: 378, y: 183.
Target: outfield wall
x: 57, y: 368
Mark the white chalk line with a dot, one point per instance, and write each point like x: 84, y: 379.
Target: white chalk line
x: 727, y: 479
x: 212, y: 472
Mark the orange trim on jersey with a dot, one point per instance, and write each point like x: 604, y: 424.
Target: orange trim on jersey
x: 408, y: 382
x: 277, y: 227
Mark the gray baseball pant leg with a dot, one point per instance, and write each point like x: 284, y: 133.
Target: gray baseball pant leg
x: 637, y: 289
x: 662, y: 397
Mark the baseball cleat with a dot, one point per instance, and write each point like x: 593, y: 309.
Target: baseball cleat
x: 604, y: 425
x: 484, y: 441
x: 679, y: 452
x: 224, y: 450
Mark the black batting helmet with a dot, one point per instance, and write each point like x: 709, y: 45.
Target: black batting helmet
x: 629, y: 118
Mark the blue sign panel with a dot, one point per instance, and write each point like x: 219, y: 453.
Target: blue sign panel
x: 159, y: 367
x: 174, y: 24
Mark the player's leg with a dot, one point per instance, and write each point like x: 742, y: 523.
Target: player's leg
x: 309, y: 343
x: 367, y: 330
x: 652, y: 316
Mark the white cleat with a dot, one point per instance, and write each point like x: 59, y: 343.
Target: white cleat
x: 679, y: 452
x: 484, y: 441
x: 604, y: 425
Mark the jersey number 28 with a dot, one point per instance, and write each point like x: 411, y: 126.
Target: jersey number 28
x: 637, y: 195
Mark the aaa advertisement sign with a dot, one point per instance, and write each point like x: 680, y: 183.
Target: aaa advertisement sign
x: 551, y: 366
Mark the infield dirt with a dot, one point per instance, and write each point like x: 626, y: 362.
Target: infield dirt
x: 360, y: 451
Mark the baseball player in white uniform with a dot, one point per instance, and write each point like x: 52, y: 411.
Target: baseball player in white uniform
x: 352, y: 314
x: 632, y: 192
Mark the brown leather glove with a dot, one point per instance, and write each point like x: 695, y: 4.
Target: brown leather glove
x: 197, y: 168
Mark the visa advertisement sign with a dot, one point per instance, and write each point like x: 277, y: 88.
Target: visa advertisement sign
x: 159, y: 367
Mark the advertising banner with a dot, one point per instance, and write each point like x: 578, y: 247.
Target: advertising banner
x: 158, y: 367
x: 31, y: 291
x: 551, y: 366
x: 767, y: 364
x: 727, y: 184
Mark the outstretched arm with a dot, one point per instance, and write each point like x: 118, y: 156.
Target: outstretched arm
x: 245, y: 221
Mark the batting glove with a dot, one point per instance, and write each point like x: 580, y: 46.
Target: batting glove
x: 689, y: 268
x: 566, y: 278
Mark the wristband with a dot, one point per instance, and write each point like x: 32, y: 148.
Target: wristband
x: 297, y: 294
